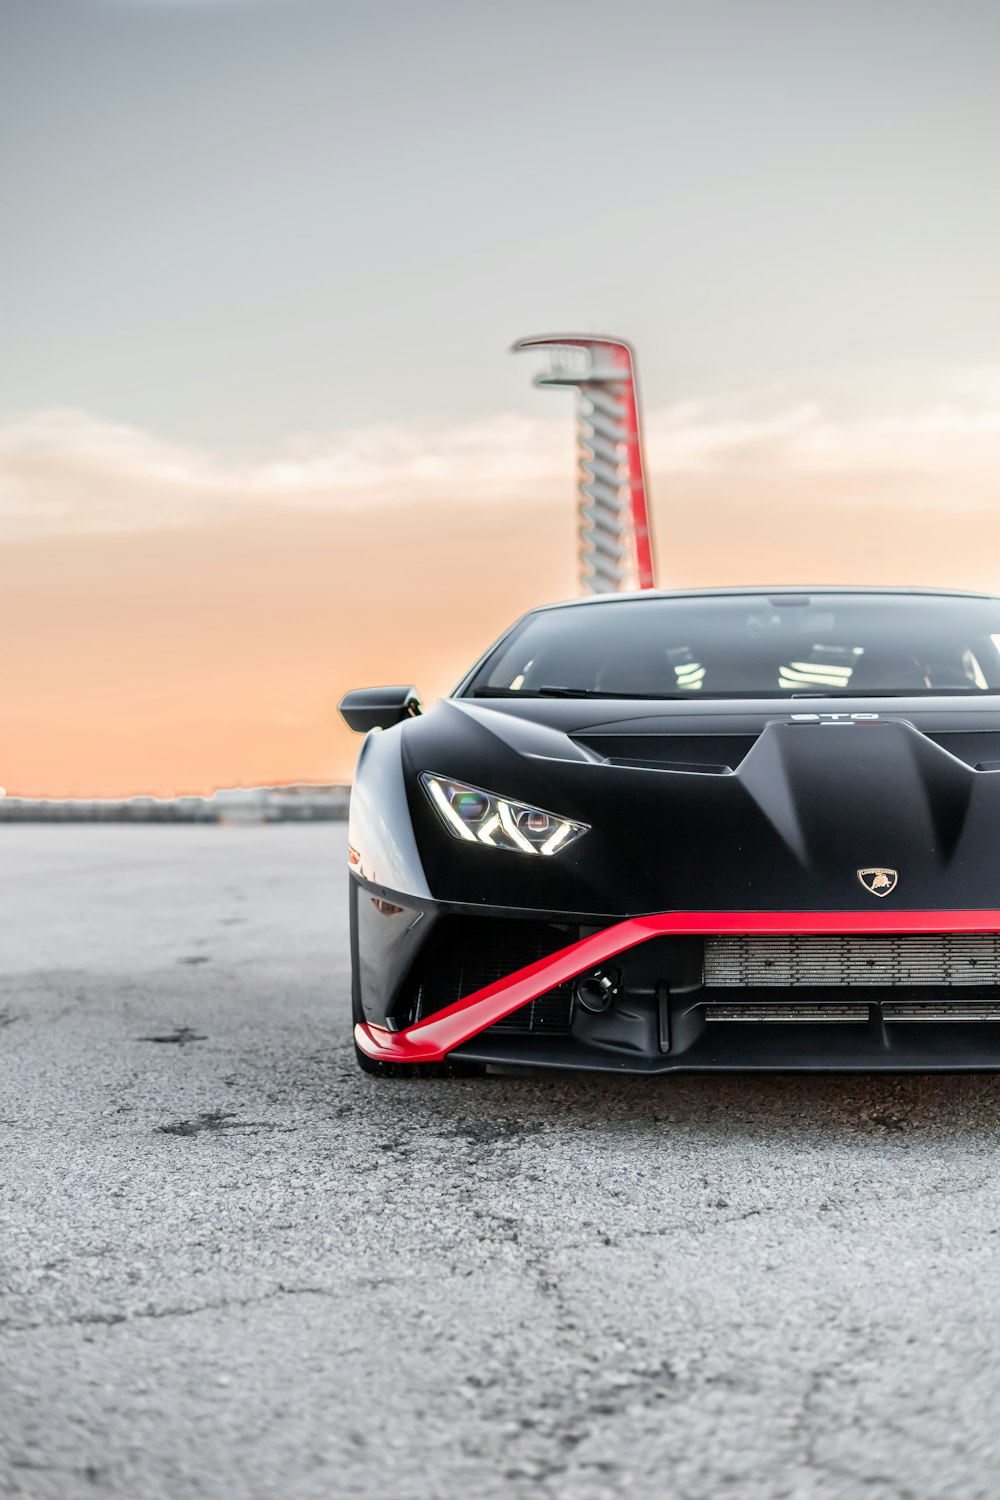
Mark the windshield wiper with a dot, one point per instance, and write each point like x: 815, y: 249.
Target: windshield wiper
x: 566, y: 692
x: 573, y: 692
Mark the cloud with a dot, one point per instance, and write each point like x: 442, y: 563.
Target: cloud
x: 953, y: 429
x: 66, y: 471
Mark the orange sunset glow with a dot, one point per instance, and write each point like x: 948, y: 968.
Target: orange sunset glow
x: 174, y: 626
x: 261, y: 440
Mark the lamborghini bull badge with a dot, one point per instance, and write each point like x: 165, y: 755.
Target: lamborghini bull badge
x: 878, y: 880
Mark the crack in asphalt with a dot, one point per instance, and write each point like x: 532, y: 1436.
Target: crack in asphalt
x: 115, y: 1320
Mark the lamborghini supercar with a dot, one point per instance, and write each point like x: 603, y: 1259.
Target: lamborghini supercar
x: 696, y: 830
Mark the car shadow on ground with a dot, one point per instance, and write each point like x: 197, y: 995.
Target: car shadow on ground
x: 876, y: 1100
x: 789, y: 1105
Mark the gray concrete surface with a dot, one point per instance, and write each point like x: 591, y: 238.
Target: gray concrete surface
x: 232, y: 1266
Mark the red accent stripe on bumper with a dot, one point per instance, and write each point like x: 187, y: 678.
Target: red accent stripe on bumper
x: 431, y: 1040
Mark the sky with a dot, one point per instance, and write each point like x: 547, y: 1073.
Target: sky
x: 261, y: 263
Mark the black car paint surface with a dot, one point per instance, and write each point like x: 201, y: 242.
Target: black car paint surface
x: 722, y: 805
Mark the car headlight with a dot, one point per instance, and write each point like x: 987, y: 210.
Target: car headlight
x: 481, y: 817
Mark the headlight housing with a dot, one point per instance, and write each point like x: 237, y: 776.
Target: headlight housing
x: 479, y: 817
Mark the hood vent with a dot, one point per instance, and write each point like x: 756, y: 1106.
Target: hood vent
x: 703, y: 754
x: 980, y: 749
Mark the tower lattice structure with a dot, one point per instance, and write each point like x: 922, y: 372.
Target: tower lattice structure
x: 615, y: 550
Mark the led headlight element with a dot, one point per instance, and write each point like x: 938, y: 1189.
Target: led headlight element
x: 480, y: 817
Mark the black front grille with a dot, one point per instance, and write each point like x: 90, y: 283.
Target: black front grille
x: 758, y: 1011
x: 883, y: 960
x: 464, y: 954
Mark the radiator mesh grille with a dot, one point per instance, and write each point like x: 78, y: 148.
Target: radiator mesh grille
x: 883, y: 961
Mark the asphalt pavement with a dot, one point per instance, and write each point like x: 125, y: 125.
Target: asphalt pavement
x: 232, y: 1266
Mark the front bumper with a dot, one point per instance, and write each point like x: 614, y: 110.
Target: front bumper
x: 660, y: 1027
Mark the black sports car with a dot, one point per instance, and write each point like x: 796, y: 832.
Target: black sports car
x: 718, y: 829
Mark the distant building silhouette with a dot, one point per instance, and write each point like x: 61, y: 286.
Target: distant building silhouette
x: 302, y: 803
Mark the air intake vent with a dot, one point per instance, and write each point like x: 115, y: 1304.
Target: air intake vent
x: 464, y: 954
x: 950, y: 1012
x: 978, y: 748
x: 707, y: 754
x: 823, y: 1014
x: 883, y: 961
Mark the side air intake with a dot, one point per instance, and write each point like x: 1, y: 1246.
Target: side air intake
x: 464, y: 954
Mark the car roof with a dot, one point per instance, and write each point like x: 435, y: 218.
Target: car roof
x: 761, y: 591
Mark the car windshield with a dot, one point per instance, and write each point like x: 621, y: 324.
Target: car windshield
x: 751, y: 646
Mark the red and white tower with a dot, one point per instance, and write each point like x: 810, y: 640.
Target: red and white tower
x: 615, y: 546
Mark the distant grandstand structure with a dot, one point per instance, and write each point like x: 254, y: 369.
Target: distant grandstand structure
x: 302, y: 803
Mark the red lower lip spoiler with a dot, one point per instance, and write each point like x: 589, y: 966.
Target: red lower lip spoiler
x: 433, y: 1039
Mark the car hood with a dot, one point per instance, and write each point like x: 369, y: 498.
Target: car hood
x: 722, y: 805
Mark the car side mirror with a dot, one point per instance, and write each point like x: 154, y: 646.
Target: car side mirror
x: 378, y: 708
